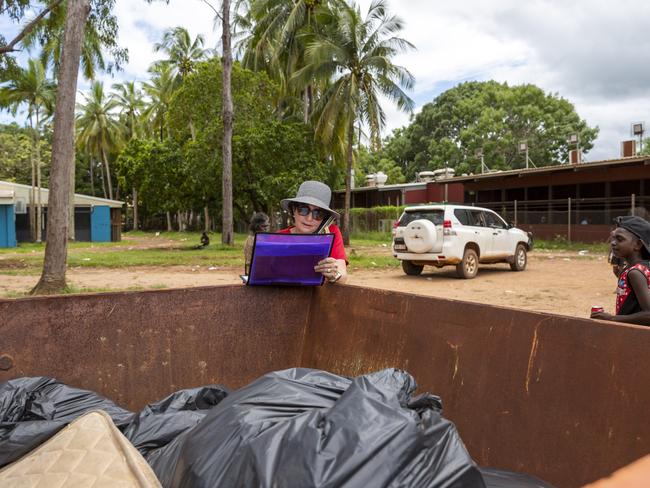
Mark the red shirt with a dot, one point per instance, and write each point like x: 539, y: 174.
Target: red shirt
x: 625, y: 291
x: 338, y: 249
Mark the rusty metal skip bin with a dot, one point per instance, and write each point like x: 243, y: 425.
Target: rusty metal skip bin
x: 561, y: 398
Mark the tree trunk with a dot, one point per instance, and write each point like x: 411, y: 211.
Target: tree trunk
x: 305, y: 106
x: 92, y: 176
x: 206, y: 218
x: 348, y: 186
x: 39, y: 201
x: 169, y: 222
x: 135, y: 209
x: 103, y: 182
x: 32, y: 196
x: 227, y: 236
x: 108, y: 174
x: 54, y: 266
x: 71, y: 228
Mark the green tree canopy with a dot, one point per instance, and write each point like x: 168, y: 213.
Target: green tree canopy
x: 493, y: 117
x: 16, y: 152
x: 271, y: 157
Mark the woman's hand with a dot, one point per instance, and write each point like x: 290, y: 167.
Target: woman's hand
x: 331, y: 269
x: 602, y: 316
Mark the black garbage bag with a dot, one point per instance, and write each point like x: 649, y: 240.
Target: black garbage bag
x: 497, y: 478
x: 302, y: 427
x: 34, y: 409
x: 161, y: 422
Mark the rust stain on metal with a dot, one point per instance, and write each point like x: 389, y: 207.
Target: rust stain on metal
x: 137, y: 347
x: 454, y: 347
x: 531, y: 357
x: 6, y: 362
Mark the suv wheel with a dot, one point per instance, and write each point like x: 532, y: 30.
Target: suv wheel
x: 468, y: 267
x: 520, y: 260
x: 411, y: 269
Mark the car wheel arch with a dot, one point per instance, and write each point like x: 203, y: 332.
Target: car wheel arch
x: 474, y: 246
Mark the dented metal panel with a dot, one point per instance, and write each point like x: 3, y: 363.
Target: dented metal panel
x: 562, y: 398
x: 138, y: 347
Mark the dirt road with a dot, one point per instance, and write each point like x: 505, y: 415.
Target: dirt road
x: 554, y: 282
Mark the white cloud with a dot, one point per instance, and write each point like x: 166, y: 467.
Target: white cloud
x: 591, y: 52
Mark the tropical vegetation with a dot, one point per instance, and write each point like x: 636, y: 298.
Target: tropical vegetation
x: 204, y: 141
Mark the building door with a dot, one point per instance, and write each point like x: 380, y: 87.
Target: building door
x: 82, y: 224
x: 100, y: 224
x: 7, y: 226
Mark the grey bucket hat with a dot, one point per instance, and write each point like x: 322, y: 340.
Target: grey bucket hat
x: 312, y: 193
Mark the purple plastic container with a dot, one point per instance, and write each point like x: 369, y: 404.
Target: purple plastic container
x: 288, y: 259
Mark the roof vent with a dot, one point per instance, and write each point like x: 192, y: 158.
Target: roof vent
x: 575, y: 156
x: 628, y: 149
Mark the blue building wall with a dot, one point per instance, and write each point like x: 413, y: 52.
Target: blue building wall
x: 100, y: 224
x: 7, y: 226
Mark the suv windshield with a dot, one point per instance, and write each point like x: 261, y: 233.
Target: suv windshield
x: 435, y: 216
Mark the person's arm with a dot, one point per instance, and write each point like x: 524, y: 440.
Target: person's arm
x: 639, y: 284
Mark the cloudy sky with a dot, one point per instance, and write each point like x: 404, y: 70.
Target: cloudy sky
x: 592, y: 52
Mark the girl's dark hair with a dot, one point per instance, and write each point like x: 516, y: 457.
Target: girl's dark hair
x: 258, y: 221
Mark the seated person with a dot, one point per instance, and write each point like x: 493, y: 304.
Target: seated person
x: 259, y: 223
x: 311, y: 214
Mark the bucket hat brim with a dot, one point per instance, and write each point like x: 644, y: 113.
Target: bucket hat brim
x: 309, y: 201
x: 312, y: 193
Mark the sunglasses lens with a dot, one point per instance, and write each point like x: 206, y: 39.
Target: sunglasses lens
x: 317, y: 213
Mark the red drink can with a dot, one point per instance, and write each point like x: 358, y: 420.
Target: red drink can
x: 597, y: 308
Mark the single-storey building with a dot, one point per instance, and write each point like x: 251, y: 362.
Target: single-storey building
x: 96, y: 219
x: 577, y: 201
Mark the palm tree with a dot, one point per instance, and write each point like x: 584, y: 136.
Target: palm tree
x: 128, y: 99
x: 31, y: 87
x: 99, y: 40
x: 355, y: 55
x: 160, y: 90
x: 182, y: 52
x: 56, y: 249
x: 277, y: 41
x: 99, y: 130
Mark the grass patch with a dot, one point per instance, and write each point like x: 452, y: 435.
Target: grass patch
x: 561, y: 244
x: 370, y: 238
x: 370, y: 262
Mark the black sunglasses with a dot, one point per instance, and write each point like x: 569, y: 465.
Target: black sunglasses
x: 317, y: 213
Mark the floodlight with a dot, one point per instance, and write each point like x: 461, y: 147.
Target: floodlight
x: 573, y: 138
x: 523, y: 146
x: 479, y: 152
x: 638, y: 128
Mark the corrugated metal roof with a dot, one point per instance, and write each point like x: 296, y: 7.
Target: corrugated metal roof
x: 551, y: 169
x: 23, y: 192
x: 397, y: 186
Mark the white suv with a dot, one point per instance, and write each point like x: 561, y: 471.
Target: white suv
x: 440, y: 235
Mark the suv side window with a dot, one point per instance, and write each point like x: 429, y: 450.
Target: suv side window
x: 461, y: 215
x: 476, y: 218
x: 493, y: 221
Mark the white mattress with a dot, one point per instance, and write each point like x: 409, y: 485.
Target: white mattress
x: 89, y: 453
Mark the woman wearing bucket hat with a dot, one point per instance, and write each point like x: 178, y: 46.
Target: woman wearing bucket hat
x: 311, y: 214
x: 630, y: 240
